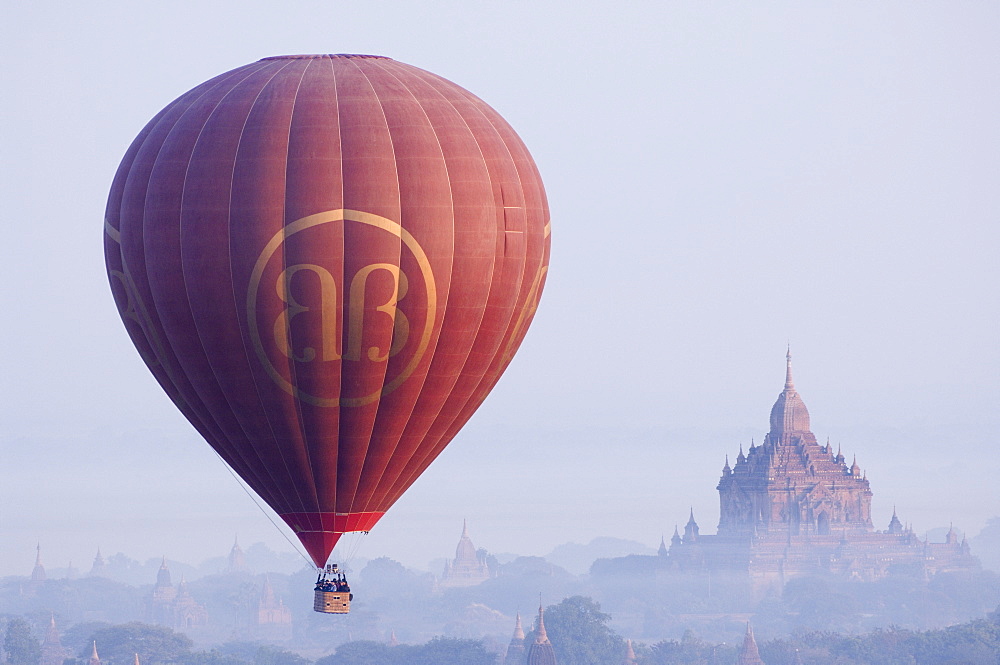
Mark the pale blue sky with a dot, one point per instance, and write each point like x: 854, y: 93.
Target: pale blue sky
x: 723, y: 178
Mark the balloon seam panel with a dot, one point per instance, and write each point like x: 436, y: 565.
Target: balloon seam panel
x: 237, y: 449
x: 444, y: 307
x: 472, y: 134
x: 284, y: 262
x: 392, y: 147
x: 209, y: 423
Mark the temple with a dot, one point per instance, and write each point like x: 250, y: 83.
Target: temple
x: 237, y: 562
x: 100, y: 568
x: 515, y: 650
x: 469, y: 566
x: 792, y: 507
x: 540, y: 651
x: 173, y: 606
x: 748, y: 653
x: 52, y: 652
x: 630, y: 658
x: 272, y: 619
x: 38, y: 572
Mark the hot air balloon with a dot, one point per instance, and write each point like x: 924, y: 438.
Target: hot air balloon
x: 327, y: 262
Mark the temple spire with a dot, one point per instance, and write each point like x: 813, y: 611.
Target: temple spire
x: 629, y: 654
x: 38, y: 572
x: 789, y: 384
x: 163, y: 574
x: 691, y: 529
x: 541, y: 637
x: 237, y: 562
x: 748, y: 653
x: 99, y: 567
x: 540, y: 652
x: 516, y: 649
x: 789, y: 413
x: 52, y: 652
x: 895, y: 526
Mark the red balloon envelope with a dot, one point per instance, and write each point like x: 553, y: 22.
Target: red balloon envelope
x: 327, y: 261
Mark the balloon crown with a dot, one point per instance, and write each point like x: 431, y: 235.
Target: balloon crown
x: 307, y: 56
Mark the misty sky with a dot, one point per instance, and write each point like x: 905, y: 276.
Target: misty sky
x: 723, y: 178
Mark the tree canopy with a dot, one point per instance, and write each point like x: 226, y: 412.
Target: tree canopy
x: 156, y: 645
x: 438, y: 651
x: 21, y: 647
x: 579, y: 633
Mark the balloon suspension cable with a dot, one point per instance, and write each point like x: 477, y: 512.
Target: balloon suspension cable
x: 354, y: 544
x: 347, y: 549
x: 250, y: 494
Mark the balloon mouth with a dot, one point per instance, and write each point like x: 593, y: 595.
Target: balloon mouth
x: 319, y: 532
x: 315, y: 56
x: 319, y: 544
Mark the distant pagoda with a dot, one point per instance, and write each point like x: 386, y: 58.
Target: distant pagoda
x: 630, y: 658
x: 469, y: 566
x: 515, y: 650
x: 237, y: 561
x: 273, y: 619
x: 791, y: 484
x: 172, y: 606
x: 540, y: 651
x: 53, y: 652
x: 792, y: 507
x: 38, y: 572
x: 749, y: 654
x: 100, y: 568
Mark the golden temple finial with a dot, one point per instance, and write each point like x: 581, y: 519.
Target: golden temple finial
x: 542, y: 637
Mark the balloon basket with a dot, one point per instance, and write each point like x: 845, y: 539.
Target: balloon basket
x: 332, y: 602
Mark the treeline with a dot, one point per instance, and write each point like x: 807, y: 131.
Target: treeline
x: 647, y: 602
x: 157, y: 645
x: 580, y: 635
x: 438, y: 651
x: 973, y: 643
x: 120, y: 644
x: 577, y: 628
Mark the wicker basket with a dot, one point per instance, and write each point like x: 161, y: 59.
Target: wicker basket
x: 332, y: 602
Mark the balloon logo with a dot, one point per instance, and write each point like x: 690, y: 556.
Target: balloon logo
x: 327, y: 262
x: 395, y: 288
